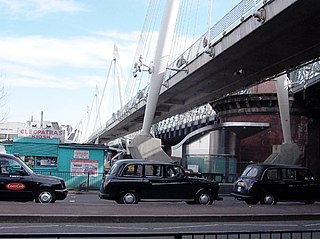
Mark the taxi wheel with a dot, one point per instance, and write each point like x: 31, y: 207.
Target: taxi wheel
x: 204, y: 198
x: 128, y: 198
x: 45, y: 196
x: 268, y: 199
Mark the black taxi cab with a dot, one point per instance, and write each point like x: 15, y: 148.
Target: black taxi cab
x: 19, y: 183
x: 270, y: 183
x: 131, y: 180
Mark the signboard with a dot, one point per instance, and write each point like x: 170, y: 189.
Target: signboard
x: 81, y: 154
x: 41, y: 133
x: 83, y: 167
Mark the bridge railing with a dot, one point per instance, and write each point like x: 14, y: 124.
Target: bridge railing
x: 198, y: 113
x: 230, y: 21
x: 304, y: 76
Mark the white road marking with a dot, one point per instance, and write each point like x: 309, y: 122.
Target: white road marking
x: 14, y: 227
x: 311, y: 225
x: 260, y: 225
x: 108, y: 227
x: 190, y: 226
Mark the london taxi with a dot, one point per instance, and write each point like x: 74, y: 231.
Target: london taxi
x: 270, y: 183
x: 19, y: 183
x: 132, y: 180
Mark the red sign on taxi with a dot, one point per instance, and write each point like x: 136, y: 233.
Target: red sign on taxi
x: 15, y: 186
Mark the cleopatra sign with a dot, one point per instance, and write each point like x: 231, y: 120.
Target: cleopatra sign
x: 15, y: 186
x: 41, y: 133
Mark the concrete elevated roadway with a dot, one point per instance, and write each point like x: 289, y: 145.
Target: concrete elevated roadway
x: 252, y: 52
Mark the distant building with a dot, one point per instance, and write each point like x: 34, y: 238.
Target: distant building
x: 9, y: 130
x: 48, y: 148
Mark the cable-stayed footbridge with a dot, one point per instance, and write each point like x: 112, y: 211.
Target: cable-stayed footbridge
x: 257, y: 40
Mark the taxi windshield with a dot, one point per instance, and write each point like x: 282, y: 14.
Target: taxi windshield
x: 25, y: 166
x: 112, y: 169
x: 250, y: 172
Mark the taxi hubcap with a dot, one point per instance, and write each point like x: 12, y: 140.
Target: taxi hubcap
x: 269, y: 199
x: 204, y: 199
x: 129, y: 198
x: 45, y: 197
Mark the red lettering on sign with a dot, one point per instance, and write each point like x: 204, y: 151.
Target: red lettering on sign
x: 15, y: 186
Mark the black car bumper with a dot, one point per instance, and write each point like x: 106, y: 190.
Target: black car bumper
x: 241, y: 196
x: 104, y: 195
x: 61, y: 194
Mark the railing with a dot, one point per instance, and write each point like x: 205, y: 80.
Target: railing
x: 76, y: 181
x: 288, y: 234
x: 197, y: 113
x: 304, y: 76
x: 229, y: 22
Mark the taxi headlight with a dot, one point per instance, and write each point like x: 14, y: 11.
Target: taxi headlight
x: 241, y: 183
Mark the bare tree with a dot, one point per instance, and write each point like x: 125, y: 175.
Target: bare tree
x: 3, y: 96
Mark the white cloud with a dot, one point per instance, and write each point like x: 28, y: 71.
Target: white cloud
x: 36, y: 8
x: 37, y: 61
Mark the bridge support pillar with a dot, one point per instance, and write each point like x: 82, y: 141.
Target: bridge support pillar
x: 184, y: 163
x: 288, y: 152
x: 147, y: 147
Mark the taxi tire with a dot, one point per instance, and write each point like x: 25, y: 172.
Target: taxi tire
x: 128, y: 198
x: 45, y: 196
x: 204, y: 198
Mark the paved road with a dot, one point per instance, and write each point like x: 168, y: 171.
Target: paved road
x: 87, y: 207
x: 157, y: 227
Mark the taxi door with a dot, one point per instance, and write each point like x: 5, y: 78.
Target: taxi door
x: 15, y: 182
x: 177, y: 184
x: 156, y: 187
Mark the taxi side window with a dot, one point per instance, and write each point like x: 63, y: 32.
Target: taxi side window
x: 271, y: 175
x: 10, y: 167
x: 304, y: 175
x: 132, y: 170
x: 153, y: 170
x: 173, y: 171
x: 4, y: 164
x: 288, y: 174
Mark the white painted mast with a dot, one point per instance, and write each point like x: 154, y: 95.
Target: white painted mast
x: 144, y: 146
x: 160, y: 62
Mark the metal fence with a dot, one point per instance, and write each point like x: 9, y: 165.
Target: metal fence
x: 77, y: 181
x: 291, y: 234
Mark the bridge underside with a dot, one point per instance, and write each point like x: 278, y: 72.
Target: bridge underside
x: 249, y: 54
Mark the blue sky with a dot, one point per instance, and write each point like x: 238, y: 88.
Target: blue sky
x: 54, y: 53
